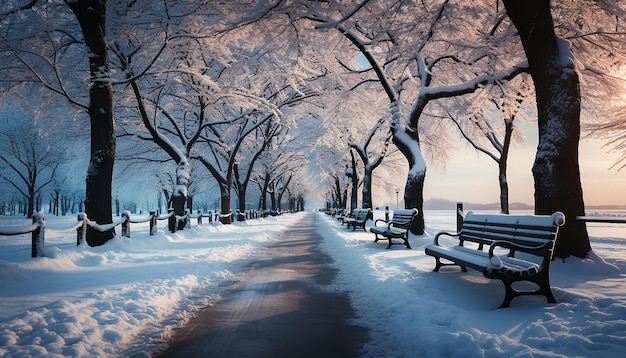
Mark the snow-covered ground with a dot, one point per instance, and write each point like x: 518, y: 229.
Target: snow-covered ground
x: 124, y: 298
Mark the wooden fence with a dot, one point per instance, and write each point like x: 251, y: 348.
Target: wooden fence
x: 38, y: 227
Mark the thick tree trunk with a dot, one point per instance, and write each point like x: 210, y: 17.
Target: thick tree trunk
x: 555, y: 170
x: 408, y: 144
x: 92, y: 15
x: 273, y: 200
x: 367, y: 188
x: 179, y: 196
x: 225, y: 218
x: 178, y: 204
x: 242, y: 203
x: 264, y: 190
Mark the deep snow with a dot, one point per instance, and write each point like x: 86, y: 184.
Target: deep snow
x: 126, y: 297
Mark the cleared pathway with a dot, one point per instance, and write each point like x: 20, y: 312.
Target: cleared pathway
x: 281, y: 308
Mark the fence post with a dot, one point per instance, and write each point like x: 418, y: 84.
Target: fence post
x: 153, y: 222
x: 38, y: 234
x: 81, y: 231
x: 187, y: 223
x: 171, y: 221
x: 459, y: 217
x: 126, y: 223
x: 199, y: 217
x: 387, y: 213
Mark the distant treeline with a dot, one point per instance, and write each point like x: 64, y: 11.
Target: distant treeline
x: 445, y: 204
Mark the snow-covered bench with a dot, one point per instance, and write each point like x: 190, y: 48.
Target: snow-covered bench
x: 358, y: 218
x: 509, y: 248
x: 340, y: 214
x: 396, y: 228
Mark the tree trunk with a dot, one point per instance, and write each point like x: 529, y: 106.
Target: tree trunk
x: 264, y: 190
x: 282, y: 191
x: 555, y: 170
x: 92, y: 18
x: 354, y: 177
x: 408, y: 144
x: 367, y: 188
x: 502, y: 165
x: 31, y: 201
x: 273, y: 199
x: 179, y: 196
x: 225, y: 217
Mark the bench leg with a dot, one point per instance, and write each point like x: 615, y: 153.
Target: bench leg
x: 540, y: 279
x: 406, y: 243
x: 509, y: 294
x: 439, y: 264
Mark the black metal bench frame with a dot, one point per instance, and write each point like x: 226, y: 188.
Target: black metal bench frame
x: 497, y: 241
x: 358, y: 218
x: 396, y: 228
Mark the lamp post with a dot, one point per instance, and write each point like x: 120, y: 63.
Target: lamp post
x: 397, y: 200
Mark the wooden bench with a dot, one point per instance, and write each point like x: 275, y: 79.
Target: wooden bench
x: 396, y: 228
x: 358, y: 217
x: 491, y: 243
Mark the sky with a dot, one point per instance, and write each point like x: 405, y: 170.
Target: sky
x: 125, y: 298
x: 473, y: 177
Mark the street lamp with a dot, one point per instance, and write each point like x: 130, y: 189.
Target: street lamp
x: 397, y: 191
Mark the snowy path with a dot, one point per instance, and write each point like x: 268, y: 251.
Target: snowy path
x: 281, y: 308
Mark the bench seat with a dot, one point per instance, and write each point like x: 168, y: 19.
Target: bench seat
x: 480, y: 261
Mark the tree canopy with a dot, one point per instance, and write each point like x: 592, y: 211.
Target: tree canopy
x: 228, y: 89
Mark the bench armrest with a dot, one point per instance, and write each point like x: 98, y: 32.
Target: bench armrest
x: 541, y: 250
x: 436, y: 241
x: 381, y: 220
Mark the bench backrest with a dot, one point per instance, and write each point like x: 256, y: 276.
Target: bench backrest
x: 402, y: 218
x: 529, y: 230
x: 360, y: 214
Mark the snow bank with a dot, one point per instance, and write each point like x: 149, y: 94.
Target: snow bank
x: 127, y: 296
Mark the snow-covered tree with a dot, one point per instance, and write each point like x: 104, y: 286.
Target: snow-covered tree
x: 248, y: 156
x: 28, y: 161
x: 280, y: 163
x: 371, y: 163
x: 391, y: 47
x: 482, y: 130
x: 71, y: 62
x: 556, y: 171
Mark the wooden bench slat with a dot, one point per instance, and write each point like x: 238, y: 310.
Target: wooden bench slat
x: 488, y: 237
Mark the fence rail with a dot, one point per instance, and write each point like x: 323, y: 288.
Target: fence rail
x: 38, y: 228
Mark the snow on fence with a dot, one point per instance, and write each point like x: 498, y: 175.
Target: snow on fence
x: 38, y: 227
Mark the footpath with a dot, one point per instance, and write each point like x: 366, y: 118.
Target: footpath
x: 281, y: 308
